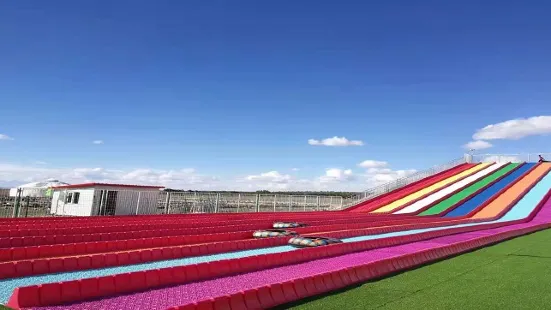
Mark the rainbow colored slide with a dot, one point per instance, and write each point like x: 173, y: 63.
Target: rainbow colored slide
x: 212, y: 261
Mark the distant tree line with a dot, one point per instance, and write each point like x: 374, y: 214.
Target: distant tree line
x: 314, y: 193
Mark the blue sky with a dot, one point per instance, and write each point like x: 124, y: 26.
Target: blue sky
x: 236, y: 88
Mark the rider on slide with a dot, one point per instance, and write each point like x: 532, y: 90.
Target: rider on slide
x: 541, y: 159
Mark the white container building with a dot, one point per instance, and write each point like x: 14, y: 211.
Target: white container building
x: 92, y: 199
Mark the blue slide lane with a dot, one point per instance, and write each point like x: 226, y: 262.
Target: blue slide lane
x: 521, y: 210
x: 471, y: 204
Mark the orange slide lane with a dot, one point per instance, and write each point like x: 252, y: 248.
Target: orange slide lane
x: 495, y: 207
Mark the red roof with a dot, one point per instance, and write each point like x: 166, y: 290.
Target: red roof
x: 83, y: 185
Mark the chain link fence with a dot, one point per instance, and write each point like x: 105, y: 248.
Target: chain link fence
x: 20, y: 206
x: 71, y: 203
x: 197, y: 202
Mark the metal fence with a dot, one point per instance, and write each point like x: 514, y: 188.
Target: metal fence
x: 135, y: 202
x: 515, y: 158
x: 390, y: 186
x: 197, y: 202
x: 20, y: 206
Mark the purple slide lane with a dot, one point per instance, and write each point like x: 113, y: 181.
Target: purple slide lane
x: 193, y: 292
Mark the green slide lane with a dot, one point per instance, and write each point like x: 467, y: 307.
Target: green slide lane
x: 451, y: 201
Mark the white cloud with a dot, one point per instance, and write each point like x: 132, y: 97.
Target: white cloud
x: 13, y: 174
x: 379, y: 172
x: 333, y: 175
x: 295, y: 169
x: 272, y: 180
x: 515, y: 129
x: 373, y: 164
x: 386, y: 175
x: 270, y: 177
x: 5, y: 137
x: 97, y: 142
x: 477, y: 145
x: 336, y: 141
x: 334, y: 179
x: 39, y: 162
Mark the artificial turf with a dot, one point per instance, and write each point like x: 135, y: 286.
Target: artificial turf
x: 515, y: 274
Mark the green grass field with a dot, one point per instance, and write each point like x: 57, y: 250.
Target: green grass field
x: 511, y: 275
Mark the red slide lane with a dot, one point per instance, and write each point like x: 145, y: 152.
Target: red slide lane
x: 379, y: 201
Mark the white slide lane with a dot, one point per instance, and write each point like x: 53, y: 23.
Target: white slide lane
x: 418, y: 205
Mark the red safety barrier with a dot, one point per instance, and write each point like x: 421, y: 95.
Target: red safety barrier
x: 186, y: 239
x: 147, y: 255
x: 125, y: 228
x: 219, y: 227
x: 94, y: 261
x: 7, y: 254
x: 211, y: 221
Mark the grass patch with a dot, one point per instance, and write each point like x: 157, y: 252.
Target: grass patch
x: 515, y: 274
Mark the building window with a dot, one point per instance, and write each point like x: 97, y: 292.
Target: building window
x: 69, y: 198
x: 76, y: 197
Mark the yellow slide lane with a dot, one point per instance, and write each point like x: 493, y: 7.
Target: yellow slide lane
x: 495, y: 207
x: 400, y: 202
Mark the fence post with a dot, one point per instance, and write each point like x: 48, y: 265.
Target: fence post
x: 290, y: 202
x: 238, y: 201
x: 57, y: 202
x: 167, y: 203
x: 216, y: 202
x: 16, y: 204
x: 138, y: 203
x: 257, y: 207
x: 194, y: 204
x: 27, y: 203
x: 330, y: 202
x: 304, y: 203
x: 341, y: 202
x: 318, y: 203
x: 275, y: 202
